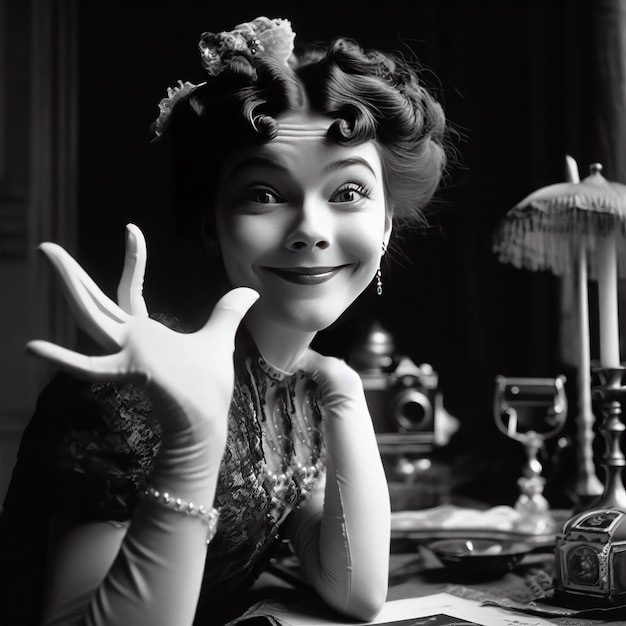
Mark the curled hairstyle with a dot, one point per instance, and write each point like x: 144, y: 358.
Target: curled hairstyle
x: 371, y: 95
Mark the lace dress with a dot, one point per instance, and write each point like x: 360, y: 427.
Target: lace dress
x: 89, y: 451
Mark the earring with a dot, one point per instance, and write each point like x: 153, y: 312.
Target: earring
x: 379, y: 275
x: 379, y: 282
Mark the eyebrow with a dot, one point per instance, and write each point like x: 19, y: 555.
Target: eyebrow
x: 342, y: 163
x: 256, y: 161
x: 269, y: 161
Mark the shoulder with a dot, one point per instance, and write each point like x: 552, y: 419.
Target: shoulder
x: 90, y: 447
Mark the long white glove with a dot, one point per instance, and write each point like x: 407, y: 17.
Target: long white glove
x: 155, y: 578
x: 341, y: 536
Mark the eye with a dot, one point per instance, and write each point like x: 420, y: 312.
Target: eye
x: 351, y: 192
x: 265, y: 196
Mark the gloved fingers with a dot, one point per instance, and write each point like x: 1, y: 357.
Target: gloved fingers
x: 311, y: 360
x: 67, y: 265
x: 130, y: 287
x: 229, y: 311
x: 337, y: 381
x: 97, y: 314
x: 314, y: 364
x: 108, y: 367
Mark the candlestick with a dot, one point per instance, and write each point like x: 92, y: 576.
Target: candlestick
x: 607, y: 300
x: 610, y: 392
x: 588, y: 486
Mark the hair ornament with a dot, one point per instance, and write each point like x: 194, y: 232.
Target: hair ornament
x: 261, y: 38
x: 174, y: 94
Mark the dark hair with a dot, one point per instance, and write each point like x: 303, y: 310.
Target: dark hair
x: 373, y: 96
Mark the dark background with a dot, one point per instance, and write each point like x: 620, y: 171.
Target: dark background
x: 522, y: 86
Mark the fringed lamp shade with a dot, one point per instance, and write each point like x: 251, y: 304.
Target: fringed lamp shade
x: 571, y: 229
x: 553, y: 225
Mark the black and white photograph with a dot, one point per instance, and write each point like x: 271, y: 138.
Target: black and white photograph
x: 312, y: 312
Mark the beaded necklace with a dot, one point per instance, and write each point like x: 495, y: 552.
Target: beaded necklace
x: 291, y: 433
x: 272, y: 462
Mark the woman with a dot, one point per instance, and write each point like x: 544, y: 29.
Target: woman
x: 169, y: 480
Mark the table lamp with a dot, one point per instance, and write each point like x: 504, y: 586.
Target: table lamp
x: 582, y: 225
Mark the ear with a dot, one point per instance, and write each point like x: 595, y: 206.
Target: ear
x: 388, y: 228
x: 209, y: 237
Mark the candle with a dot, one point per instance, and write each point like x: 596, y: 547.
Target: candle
x: 607, y: 301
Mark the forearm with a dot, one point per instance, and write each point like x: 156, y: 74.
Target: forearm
x: 345, y: 549
x: 356, y: 504
x: 157, y: 575
x: 151, y: 574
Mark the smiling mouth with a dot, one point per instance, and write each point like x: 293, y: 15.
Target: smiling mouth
x: 305, y: 275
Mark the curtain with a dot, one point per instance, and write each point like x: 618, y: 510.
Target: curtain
x: 523, y: 83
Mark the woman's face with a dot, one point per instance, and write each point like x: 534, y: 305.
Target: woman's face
x: 303, y: 221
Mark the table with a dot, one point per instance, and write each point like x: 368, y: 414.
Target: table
x: 415, y: 572
x: 420, y: 574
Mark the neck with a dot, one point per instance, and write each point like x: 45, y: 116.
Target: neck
x: 280, y: 347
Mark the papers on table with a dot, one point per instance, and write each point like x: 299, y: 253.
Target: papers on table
x: 408, y: 612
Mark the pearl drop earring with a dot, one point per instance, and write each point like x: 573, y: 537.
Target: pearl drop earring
x: 379, y: 275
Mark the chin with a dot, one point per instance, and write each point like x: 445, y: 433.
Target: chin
x: 309, y: 319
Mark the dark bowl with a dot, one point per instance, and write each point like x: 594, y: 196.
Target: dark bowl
x: 480, y: 555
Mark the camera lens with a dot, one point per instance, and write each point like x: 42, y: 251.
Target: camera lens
x: 412, y: 411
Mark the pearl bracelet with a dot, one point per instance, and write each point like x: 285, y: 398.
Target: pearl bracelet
x: 209, y: 516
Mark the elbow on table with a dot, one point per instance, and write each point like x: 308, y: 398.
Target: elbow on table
x: 366, y: 605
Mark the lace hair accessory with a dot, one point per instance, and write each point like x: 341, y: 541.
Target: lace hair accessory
x: 262, y: 38
x: 174, y: 94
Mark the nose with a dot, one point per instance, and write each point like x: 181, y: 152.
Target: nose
x: 311, y: 227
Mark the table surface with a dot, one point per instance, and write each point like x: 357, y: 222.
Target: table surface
x: 414, y: 572
x: 421, y: 574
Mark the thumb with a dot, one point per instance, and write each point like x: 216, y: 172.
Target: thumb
x: 230, y: 310
x: 130, y: 287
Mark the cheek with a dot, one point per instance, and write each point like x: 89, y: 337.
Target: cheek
x: 234, y: 239
x: 244, y: 240
x: 366, y: 242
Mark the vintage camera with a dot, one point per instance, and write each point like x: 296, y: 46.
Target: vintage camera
x: 402, y: 400
x: 408, y: 416
x: 400, y: 395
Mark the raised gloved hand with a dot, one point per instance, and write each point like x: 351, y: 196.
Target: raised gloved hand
x: 189, y: 377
